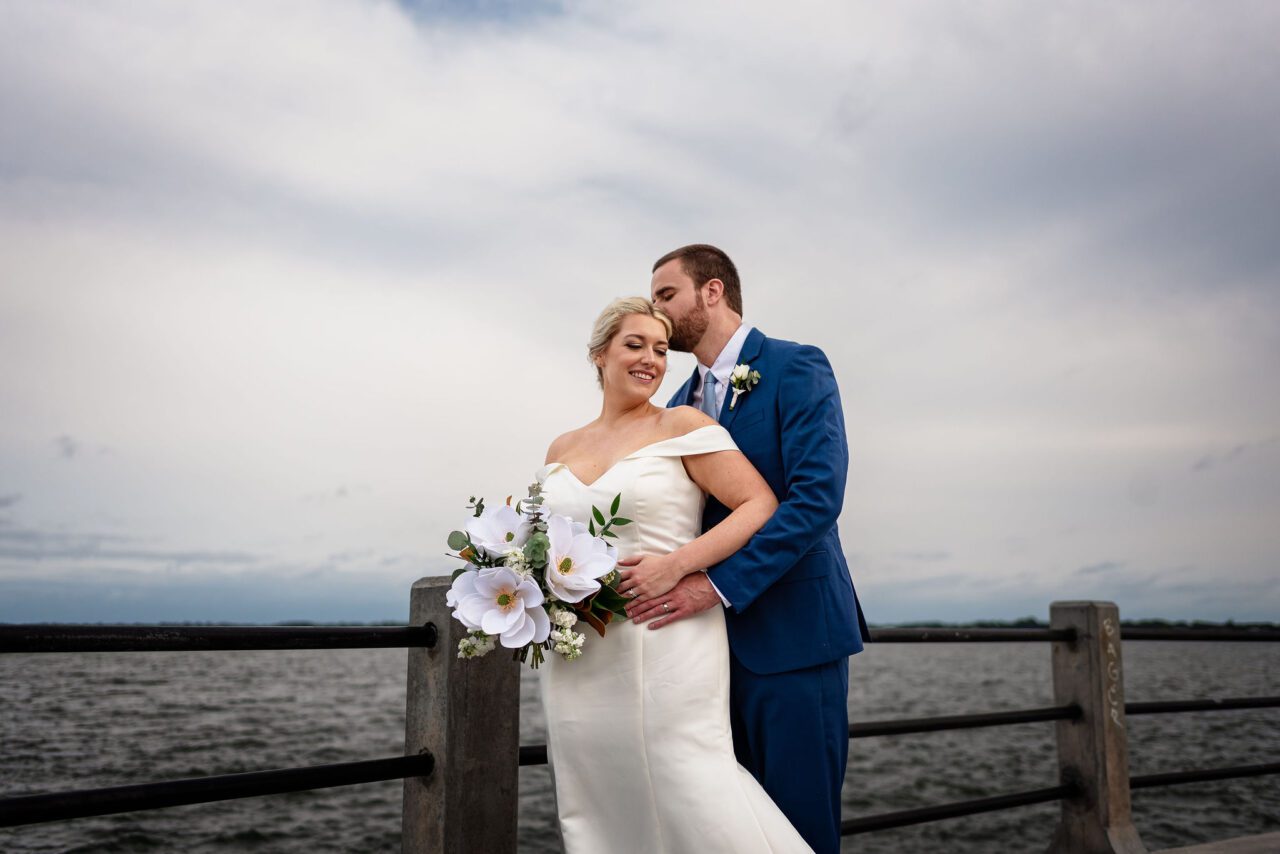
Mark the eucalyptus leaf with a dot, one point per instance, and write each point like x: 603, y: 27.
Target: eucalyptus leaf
x: 457, y: 540
x: 535, y: 550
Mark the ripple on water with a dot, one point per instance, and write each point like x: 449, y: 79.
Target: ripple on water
x: 115, y: 719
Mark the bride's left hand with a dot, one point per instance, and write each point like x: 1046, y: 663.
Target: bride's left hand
x: 648, y: 576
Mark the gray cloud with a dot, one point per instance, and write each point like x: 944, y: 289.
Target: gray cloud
x: 489, y: 12
x: 1035, y: 244
x: 1210, y: 461
x: 7, y: 501
x: 1097, y: 568
x: 26, y: 544
x: 924, y: 556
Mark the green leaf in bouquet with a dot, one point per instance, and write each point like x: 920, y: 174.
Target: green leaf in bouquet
x: 535, y: 550
x: 595, y: 511
x: 458, y: 572
x: 619, y: 521
x: 611, y: 600
x: 608, y: 534
x: 458, y: 540
x: 617, y: 502
x: 591, y: 527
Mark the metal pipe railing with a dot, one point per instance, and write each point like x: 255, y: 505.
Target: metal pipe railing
x: 53, y: 638
x: 59, y: 806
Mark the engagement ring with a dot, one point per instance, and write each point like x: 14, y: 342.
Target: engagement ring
x: 666, y: 606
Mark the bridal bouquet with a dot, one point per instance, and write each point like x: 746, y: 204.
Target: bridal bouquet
x: 530, y: 577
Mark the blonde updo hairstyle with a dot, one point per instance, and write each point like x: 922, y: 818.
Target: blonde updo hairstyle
x: 611, y: 318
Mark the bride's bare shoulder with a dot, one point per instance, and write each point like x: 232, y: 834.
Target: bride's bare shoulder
x: 562, y: 444
x: 679, y: 420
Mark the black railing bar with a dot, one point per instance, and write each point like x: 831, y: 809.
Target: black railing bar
x: 58, y: 806
x: 962, y: 635
x: 1157, y: 633
x: 1204, y: 775
x: 533, y: 754
x: 53, y: 638
x: 902, y: 818
x: 1224, y: 704
x: 868, y: 729
x: 536, y: 754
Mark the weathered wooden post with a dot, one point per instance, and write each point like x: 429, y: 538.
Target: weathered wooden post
x: 467, y: 715
x: 1093, y: 750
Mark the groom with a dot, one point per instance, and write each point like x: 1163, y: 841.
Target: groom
x: 792, y: 616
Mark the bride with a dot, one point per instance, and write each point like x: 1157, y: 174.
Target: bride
x: 638, y: 728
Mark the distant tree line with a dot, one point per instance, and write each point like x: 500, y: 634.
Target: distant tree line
x: 1019, y: 623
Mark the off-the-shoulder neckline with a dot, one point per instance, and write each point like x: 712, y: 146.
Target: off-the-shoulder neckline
x: 551, y: 465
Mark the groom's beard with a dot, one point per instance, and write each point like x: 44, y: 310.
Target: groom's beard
x: 688, y: 330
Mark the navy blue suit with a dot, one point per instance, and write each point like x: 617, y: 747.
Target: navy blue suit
x: 794, y: 618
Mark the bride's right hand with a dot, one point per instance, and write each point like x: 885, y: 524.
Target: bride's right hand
x: 650, y: 576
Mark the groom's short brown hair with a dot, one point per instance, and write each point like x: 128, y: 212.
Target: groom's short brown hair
x: 703, y: 262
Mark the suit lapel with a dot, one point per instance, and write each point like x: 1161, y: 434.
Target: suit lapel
x: 750, y: 352
x: 682, y: 396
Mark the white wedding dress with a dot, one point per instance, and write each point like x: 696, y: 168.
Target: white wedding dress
x: 638, y: 727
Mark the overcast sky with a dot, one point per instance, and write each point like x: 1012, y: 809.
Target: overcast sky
x: 283, y: 283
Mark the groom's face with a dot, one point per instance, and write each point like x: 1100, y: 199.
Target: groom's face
x: 674, y: 292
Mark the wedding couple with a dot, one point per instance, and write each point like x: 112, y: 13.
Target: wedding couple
x: 716, y: 718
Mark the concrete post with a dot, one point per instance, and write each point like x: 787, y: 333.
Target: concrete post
x: 467, y: 715
x: 1092, y: 751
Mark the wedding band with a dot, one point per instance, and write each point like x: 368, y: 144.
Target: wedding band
x: 632, y: 594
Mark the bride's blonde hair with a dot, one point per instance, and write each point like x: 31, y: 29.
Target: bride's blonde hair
x: 611, y: 318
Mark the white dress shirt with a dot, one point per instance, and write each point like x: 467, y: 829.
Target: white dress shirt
x: 722, y: 367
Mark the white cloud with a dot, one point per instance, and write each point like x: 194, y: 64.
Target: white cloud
x: 262, y: 251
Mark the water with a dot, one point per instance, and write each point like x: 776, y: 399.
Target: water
x: 87, y: 720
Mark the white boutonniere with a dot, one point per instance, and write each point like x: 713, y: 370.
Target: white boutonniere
x: 742, y: 380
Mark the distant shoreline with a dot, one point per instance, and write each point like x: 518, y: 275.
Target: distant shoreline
x: 1022, y: 623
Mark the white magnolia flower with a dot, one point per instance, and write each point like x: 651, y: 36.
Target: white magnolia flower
x: 504, y: 604
x: 576, y: 560
x: 463, y: 586
x: 498, y: 529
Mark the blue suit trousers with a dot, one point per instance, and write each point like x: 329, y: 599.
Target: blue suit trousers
x: 791, y: 731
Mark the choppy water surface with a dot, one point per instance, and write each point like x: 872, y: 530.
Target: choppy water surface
x: 80, y: 721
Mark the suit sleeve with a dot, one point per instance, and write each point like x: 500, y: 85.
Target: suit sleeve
x: 815, y: 458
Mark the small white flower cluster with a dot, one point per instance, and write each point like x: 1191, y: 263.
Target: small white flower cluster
x: 475, y: 645
x: 567, y: 642
x: 518, y: 563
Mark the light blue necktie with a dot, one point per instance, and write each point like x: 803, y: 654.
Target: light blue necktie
x: 709, y: 396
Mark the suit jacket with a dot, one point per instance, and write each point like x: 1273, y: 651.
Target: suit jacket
x: 792, y: 602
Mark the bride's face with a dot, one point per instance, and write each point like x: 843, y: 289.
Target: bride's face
x: 635, y: 361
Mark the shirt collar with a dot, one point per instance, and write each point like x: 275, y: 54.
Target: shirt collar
x: 728, y: 358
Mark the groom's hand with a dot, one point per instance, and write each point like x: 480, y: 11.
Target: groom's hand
x: 693, y: 595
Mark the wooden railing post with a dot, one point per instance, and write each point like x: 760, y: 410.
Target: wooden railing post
x: 1093, y: 750
x: 467, y: 715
